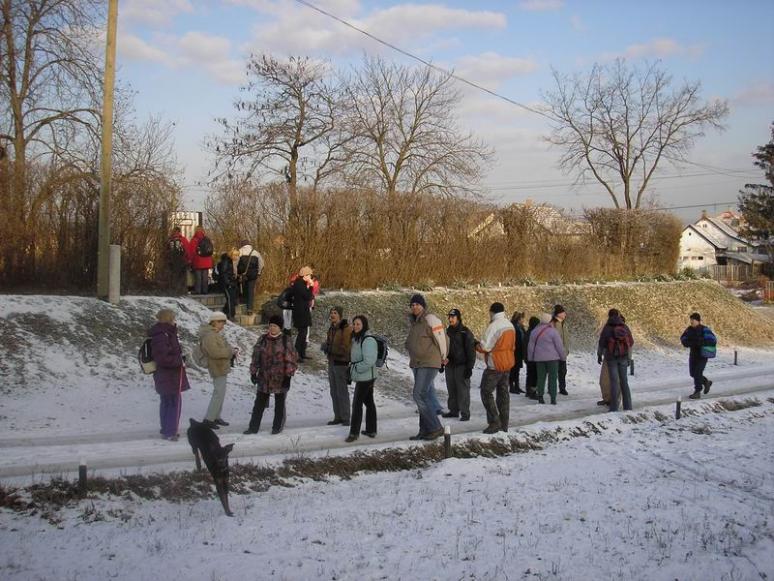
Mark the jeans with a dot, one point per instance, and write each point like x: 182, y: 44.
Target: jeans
x: 617, y: 368
x: 337, y: 380
x: 550, y: 369
x: 696, y: 367
x: 423, y: 397
x: 216, y: 401
x: 497, y: 407
x: 364, y: 395
x: 261, y: 403
x: 458, y: 387
x: 201, y: 281
x: 169, y: 414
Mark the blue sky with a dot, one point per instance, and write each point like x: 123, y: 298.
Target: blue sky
x: 185, y: 59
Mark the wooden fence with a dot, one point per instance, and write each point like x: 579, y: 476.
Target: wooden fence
x: 768, y: 292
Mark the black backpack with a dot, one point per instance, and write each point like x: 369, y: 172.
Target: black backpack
x: 285, y: 299
x: 204, y: 248
x: 145, y: 356
x: 382, y: 349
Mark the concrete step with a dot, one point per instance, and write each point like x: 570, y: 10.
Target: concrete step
x: 209, y: 300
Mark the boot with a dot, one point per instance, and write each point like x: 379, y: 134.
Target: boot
x: 707, y: 384
x: 492, y: 429
x: 434, y: 434
x: 563, y: 391
x: 540, y: 399
x: 695, y: 395
x: 450, y: 415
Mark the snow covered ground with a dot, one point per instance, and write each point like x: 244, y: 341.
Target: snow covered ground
x: 653, y: 500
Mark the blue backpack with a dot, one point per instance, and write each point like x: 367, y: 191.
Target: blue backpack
x: 709, y: 343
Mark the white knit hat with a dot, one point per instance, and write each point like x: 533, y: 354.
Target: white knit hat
x: 218, y: 316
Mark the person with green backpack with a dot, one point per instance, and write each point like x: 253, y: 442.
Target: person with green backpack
x: 703, y: 345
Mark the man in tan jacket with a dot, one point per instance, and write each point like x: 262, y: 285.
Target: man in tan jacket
x: 219, y: 355
x: 337, y: 347
x: 427, y: 346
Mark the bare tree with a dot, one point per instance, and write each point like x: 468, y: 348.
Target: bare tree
x: 619, y: 122
x: 406, y: 133
x: 48, y: 81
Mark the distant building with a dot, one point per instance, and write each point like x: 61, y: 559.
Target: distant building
x: 713, y: 242
x: 188, y: 221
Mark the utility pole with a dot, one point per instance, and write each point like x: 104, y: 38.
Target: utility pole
x: 106, y: 165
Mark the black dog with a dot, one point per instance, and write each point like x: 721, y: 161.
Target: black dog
x: 203, y: 439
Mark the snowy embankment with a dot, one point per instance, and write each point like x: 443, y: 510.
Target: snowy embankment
x: 642, y: 498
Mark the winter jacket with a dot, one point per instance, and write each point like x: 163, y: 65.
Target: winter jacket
x: 338, y: 343
x: 608, y: 333
x: 302, y: 299
x: 198, y: 262
x: 533, y: 323
x: 363, y: 355
x: 217, y: 350
x: 462, y: 347
x: 545, y: 344
x: 520, y: 351
x: 561, y: 327
x: 693, y: 337
x: 226, y: 272
x: 274, y: 362
x: 250, y: 264
x: 498, y: 344
x: 427, y: 344
x: 169, y: 377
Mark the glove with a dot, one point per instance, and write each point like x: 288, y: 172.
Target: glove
x: 441, y: 369
x: 286, y: 382
x: 599, y: 359
x: 468, y: 373
x: 254, y: 378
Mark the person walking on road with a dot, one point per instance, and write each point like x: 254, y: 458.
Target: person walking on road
x: 702, y: 344
x: 337, y: 346
x: 427, y: 347
x: 546, y: 350
x: 519, y: 351
x: 220, y: 356
x: 302, y: 310
x: 559, y: 322
x: 365, y: 352
x: 498, y: 345
x: 531, y: 366
x: 458, y: 366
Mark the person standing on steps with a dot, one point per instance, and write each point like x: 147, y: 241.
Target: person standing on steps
x: 177, y: 261
x: 302, y: 313
x: 517, y: 320
x: 546, y: 350
x: 531, y: 366
x: 427, y: 347
x: 200, y: 251
x: 615, y: 344
x: 558, y: 320
x: 337, y: 346
x: 458, y: 366
x: 169, y: 378
x: 364, y: 353
x: 498, y: 344
x: 702, y: 344
x: 220, y: 356
x: 249, y: 269
x: 227, y: 279
x: 273, y: 364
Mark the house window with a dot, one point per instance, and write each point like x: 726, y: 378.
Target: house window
x: 742, y: 249
x: 701, y: 258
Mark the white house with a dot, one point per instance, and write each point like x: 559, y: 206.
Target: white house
x: 713, y: 242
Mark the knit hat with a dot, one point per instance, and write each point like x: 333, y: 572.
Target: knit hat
x: 545, y: 318
x: 276, y: 320
x: 696, y: 316
x: 558, y: 309
x: 218, y: 316
x: 339, y: 310
x: 418, y: 299
x: 455, y: 313
x: 497, y: 308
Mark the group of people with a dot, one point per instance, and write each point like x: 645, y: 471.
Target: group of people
x: 433, y: 348
x: 236, y: 273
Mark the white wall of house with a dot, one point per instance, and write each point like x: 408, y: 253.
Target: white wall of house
x: 731, y: 244
x: 695, y: 251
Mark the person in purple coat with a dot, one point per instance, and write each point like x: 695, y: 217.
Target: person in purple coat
x: 546, y: 350
x: 169, y: 378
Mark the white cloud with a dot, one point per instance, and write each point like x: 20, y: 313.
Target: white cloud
x: 761, y: 93
x: 211, y: 53
x: 152, y: 12
x: 541, y: 5
x: 491, y: 69
x: 658, y: 48
x: 133, y: 48
x: 302, y: 30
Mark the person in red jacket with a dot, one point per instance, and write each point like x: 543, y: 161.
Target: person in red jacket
x: 200, y: 253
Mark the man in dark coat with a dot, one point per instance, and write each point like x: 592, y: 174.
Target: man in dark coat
x: 521, y: 348
x: 693, y: 337
x: 177, y: 261
x: 302, y: 312
x: 459, y: 366
x: 249, y: 269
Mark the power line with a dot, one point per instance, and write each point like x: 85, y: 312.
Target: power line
x: 421, y: 60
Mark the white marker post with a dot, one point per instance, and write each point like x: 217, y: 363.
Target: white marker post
x: 678, y: 403
x: 447, y: 453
